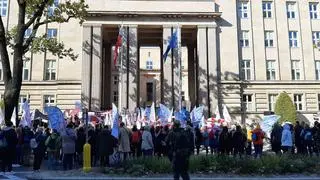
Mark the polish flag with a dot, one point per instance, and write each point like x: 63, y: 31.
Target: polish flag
x: 118, y: 44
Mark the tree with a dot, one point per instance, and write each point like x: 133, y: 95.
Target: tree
x: 285, y: 108
x: 32, y: 15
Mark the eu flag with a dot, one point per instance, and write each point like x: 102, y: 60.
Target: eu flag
x: 172, y: 44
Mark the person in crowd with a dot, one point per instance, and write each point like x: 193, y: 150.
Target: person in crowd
x: 124, y: 141
x: 81, y: 140
x: 147, y: 146
x: 213, y: 139
x: 179, y: 151
x: 68, y: 147
x: 198, y: 139
x: 276, y: 136
x: 135, y: 141
x: 298, y: 140
x: 19, y: 148
x: 257, y: 139
x: 165, y: 132
x: 107, y: 143
x: 190, y: 135
x: 249, y: 141
x: 53, y: 144
x: 314, y: 132
x: 223, y: 141
x: 27, y: 136
x: 159, y: 139
x: 317, y: 139
x: 10, y: 136
x: 306, y: 135
x: 286, y: 139
x: 205, y: 136
x: 92, y: 140
x: 239, y: 140
x: 40, y: 149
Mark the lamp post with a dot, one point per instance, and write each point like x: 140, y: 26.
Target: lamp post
x: 86, y: 147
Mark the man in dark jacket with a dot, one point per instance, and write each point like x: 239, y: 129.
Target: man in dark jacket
x: 106, y: 144
x: 276, y: 135
x: 238, y: 140
x: 297, y: 138
x: 10, y: 153
x: 40, y: 150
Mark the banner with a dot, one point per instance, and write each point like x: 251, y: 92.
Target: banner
x: 152, y: 117
x: 268, y: 122
x: 217, y: 113
x: 26, y: 115
x: 226, y: 114
x: 196, y: 114
x: 164, y: 114
x: 115, y: 119
x: 56, y: 118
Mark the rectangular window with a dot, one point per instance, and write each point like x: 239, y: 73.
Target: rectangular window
x: 49, y: 100
x: 271, y: 70
x: 247, y: 102
x: 115, y: 79
x: 243, y: 9
x: 291, y: 10
x: 245, y: 70
x: 52, y: 33
x: 26, y: 70
x: 316, y: 38
x: 52, y: 8
x: 272, y: 98
x: 27, y: 33
x: 295, y: 71
x: 317, y: 63
x: 244, y: 39
x: 314, y: 10
x: 50, y: 70
x: 268, y: 41
x: 149, y: 65
x: 293, y: 39
x: 298, y: 101
x: 22, y: 100
x: 3, y: 7
x: 267, y: 9
x: 183, y: 96
x: 115, y: 97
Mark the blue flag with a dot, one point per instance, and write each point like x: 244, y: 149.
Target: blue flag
x: 56, y: 118
x: 268, y: 122
x: 172, y: 44
x: 115, y: 120
x: 164, y: 114
x: 196, y: 114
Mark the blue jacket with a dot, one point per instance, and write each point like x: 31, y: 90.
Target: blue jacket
x: 286, y: 139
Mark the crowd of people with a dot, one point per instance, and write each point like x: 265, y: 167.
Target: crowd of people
x: 22, y: 145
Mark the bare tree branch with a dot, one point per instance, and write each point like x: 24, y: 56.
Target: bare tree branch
x: 4, y: 54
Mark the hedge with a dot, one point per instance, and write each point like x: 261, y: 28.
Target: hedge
x: 285, y: 108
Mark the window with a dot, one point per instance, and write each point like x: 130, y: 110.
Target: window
x: 183, y: 96
x: 272, y: 101
x: 271, y: 70
x: 317, y: 63
x: 291, y: 10
x: 48, y: 100
x: 115, y: 97
x: 1, y: 71
x: 245, y: 70
x: 316, y: 38
x: 243, y: 9
x: 25, y: 71
x: 298, y: 101
x: 50, y: 70
x: 319, y: 102
x: 27, y: 33
x: 268, y: 35
x: 52, y: 8
x: 314, y: 10
x: 149, y: 64
x: 3, y: 7
x: 22, y: 100
x: 293, y: 39
x: 52, y: 33
x: 244, y: 39
x: 247, y: 102
x: 295, y: 71
x: 267, y: 9
x: 115, y: 79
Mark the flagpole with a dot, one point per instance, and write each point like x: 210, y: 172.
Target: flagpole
x: 120, y: 73
x: 179, y: 66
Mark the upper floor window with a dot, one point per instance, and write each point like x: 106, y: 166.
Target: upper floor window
x: 269, y: 42
x: 267, y: 9
x: 298, y: 101
x: 3, y: 7
x: 271, y: 70
x: 22, y: 100
x: 316, y: 38
x: 52, y: 8
x: 27, y: 33
x: 26, y: 70
x: 50, y: 70
x: 317, y: 64
x: 247, y: 102
x: 295, y: 70
x: 115, y: 79
x: 243, y: 9
x: 293, y: 38
x: 244, y: 39
x: 314, y: 10
x: 52, y: 33
x: 291, y: 10
x: 245, y: 70
x: 49, y: 100
x: 149, y: 64
x: 115, y: 97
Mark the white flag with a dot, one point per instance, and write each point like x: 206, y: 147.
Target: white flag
x: 152, y: 114
x: 226, y: 114
x: 217, y: 113
x: 1, y: 116
x: 13, y: 117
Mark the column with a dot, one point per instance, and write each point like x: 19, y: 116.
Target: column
x: 177, y: 70
x: 133, y: 68
x: 96, y: 68
x: 191, y: 75
x: 123, y: 72
x: 167, y: 71
x: 108, y: 81
x: 86, y: 54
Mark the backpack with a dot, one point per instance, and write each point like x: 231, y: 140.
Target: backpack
x: 33, y: 143
x: 52, y: 143
x: 135, y: 137
x: 181, y: 144
x: 254, y: 137
x: 308, y: 136
x: 3, y: 141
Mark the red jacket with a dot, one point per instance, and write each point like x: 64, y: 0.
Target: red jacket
x: 260, y: 136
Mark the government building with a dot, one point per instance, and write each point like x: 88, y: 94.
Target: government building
x: 238, y: 53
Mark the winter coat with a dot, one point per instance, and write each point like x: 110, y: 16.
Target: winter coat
x: 286, y: 139
x: 57, y: 141
x: 40, y: 139
x: 238, y: 139
x: 11, y: 138
x: 106, y: 143
x: 147, y: 142
x: 199, y: 137
x: 276, y: 135
x: 81, y: 140
x: 124, y: 140
x: 205, y: 135
x: 69, y: 141
x: 260, y: 135
x: 159, y: 139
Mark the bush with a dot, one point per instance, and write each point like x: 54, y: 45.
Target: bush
x: 285, y: 108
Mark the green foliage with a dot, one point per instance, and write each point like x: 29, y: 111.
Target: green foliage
x: 267, y: 165
x: 285, y: 108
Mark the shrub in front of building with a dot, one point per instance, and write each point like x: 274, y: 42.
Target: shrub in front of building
x: 285, y: 108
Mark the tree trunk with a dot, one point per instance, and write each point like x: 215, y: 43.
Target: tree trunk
x: 11, y: 96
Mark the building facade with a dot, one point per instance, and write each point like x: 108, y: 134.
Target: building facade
x: 242, y: 53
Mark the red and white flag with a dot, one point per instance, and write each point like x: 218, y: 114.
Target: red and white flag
x: 120, y: 39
